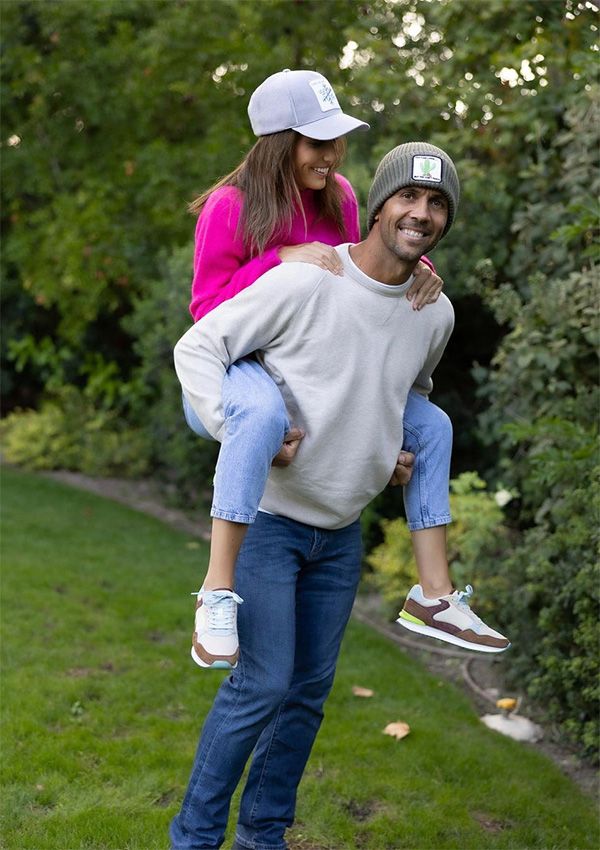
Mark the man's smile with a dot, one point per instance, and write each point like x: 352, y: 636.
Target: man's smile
x: 411, y: 232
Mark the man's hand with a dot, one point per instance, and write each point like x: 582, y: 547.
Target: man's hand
x: 425, y: 288
x: 404, y: 469
x: 287, y: 452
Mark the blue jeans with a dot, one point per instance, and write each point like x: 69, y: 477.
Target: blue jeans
x: 256, y: 422
x: 428, y: 434
x: 298, y: 584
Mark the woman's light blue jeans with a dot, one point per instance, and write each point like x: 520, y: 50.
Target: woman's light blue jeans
x: 256, y: 423
x: 298, y: 584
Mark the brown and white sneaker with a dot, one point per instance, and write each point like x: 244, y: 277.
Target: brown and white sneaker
x: 215, y: 639
x: 450, y: 618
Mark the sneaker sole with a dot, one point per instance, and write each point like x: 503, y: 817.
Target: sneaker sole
x: 428, y: 631
x: 216, y: 665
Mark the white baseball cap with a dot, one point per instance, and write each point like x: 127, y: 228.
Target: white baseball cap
x: 299, y: 100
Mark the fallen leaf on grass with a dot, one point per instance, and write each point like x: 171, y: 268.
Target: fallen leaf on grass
x: 397, y: 730
x: 359, y: 691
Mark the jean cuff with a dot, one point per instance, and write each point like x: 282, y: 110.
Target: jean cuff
x: 232, y: 516
x: 241, y: 844
x: 430, y: 522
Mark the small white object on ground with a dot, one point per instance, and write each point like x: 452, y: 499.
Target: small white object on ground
x: 515, y: 726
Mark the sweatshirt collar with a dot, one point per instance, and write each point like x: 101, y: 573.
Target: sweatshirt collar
x: 353, y: 271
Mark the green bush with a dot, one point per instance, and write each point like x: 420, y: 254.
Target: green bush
x: 548, y: 586
x: 112, y: 426
x: 542, y: 413
x: 476, y: 535
x: 543, y: 403
x: 183, y: 461
x: 68, y: 432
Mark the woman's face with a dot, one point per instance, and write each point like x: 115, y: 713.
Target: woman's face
x: 313, y: 160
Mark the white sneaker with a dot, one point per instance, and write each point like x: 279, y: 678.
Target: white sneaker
x: 449, y: 618
x: 215, y: 639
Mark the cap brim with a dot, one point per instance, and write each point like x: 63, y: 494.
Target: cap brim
x: 331, y: 127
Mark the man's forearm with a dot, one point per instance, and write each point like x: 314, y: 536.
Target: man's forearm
x: 247, y: 323
x: 200, y: 371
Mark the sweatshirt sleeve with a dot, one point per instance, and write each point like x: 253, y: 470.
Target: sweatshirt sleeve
x: 222, y: 267
x: 423, y: 383
x: 250, y: 322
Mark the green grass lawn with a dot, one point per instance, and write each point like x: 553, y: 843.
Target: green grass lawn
x: 102, y: 707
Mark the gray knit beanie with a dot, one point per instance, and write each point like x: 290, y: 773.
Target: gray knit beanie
x: 414, y: 164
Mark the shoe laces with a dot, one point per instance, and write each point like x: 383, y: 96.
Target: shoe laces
x: 461, y: 599
x: 221, y: 610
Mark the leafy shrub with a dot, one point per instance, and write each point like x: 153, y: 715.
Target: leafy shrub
x: 542, y: 412
x: 543, y: 402
x: 68, y: 432
x: 549, y: 599
x: 180, y: 458
x: 113, y: 426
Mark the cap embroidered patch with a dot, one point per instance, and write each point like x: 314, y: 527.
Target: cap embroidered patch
x: 325, y: 95
x: 427, y: 168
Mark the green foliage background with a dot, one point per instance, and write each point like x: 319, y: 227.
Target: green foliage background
x: 118, y: 113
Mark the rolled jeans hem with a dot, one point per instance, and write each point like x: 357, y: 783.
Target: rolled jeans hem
x: 433, y: 522
x: 231, y: 516
x: 240, y: 842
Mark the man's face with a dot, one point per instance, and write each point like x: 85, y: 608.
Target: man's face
x: 412, y: 221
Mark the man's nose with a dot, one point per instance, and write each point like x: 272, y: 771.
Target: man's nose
x: 420, y: 208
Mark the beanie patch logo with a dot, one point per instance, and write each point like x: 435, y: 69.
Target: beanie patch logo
x: 325, y: 95
x: 427, y: 168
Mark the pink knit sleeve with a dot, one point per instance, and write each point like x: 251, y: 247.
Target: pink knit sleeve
x: 349, y: 211
x: 222, y: 266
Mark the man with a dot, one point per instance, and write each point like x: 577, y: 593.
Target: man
x: 345, y: 353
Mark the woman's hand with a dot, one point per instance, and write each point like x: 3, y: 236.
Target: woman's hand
x: 425, y: 288
x: 316, y: 253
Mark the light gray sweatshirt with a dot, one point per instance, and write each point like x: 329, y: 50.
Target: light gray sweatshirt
x: 344, y: 351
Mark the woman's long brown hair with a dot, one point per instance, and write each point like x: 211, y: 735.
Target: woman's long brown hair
x: 271, y: 195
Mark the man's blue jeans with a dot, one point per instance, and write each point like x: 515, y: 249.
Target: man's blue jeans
x: 298, y: 584
x: 256, y: 422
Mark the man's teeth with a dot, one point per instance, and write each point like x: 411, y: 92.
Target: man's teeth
x: 409, y: 232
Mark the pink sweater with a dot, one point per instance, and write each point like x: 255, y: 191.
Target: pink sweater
x: 222, y: 263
